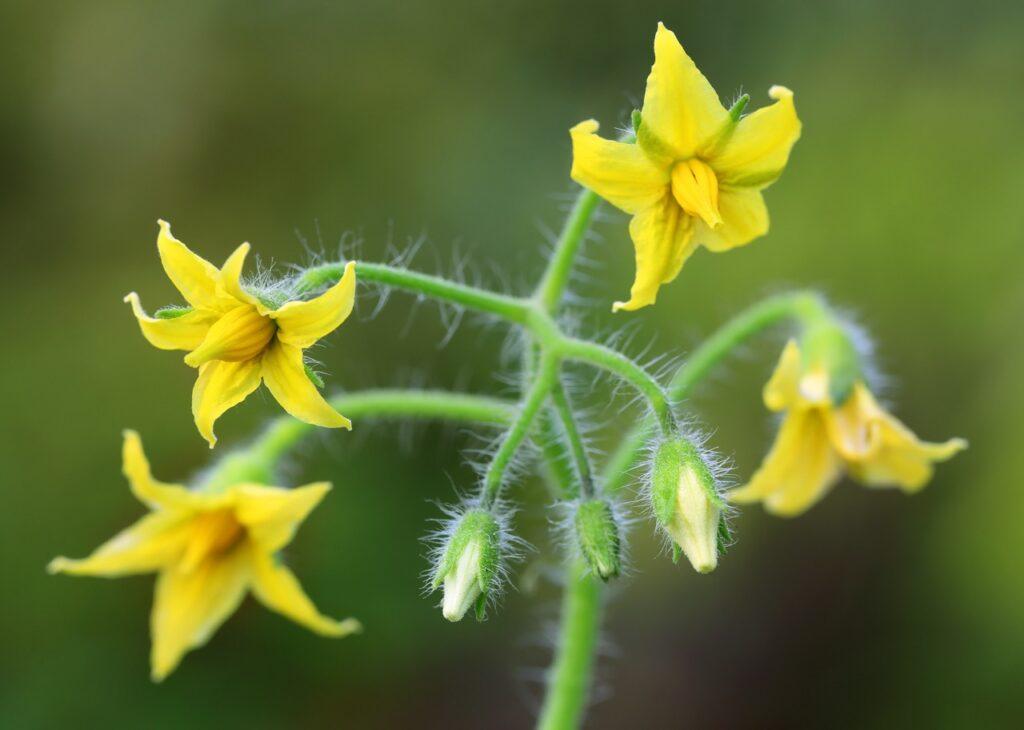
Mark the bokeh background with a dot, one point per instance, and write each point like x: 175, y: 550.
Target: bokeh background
x: 295, y: 125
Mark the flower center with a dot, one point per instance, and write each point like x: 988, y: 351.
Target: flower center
x: 212, y: 535
x: 240, y: 334
x: 695, y: 188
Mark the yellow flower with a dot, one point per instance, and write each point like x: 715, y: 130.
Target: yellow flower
x: 209, y: 549
x: 819, y: 440
x: 695, y: 176
x: 237, y: 341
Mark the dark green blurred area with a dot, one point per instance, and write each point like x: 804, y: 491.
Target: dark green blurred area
x: 395, y: 121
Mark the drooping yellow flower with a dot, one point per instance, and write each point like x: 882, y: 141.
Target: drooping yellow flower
x: 237, y: 341
x: 695, y: 175
x: 820, y: 440
x: 209, y: 550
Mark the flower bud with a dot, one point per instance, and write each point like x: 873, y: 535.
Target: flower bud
x: 469, y: 565
x: 597, y: 534
x: 686, y: 502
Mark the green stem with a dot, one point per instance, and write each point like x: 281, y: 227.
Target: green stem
x: 615, y: 362
x: 285, y: 432
x: 520, y: 429
x: 804, y: 307
x: 572, y: 672
x: 509, y: 308
x: 578, y: 450
x: 549, y: 292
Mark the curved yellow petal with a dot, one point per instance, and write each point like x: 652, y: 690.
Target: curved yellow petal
x: 783, y: 388
x: 681, y: 110
x: 152, y: 493
x: 663, y: 238
x: 853, y: 426
x: 229, y: 280
x: 303, y: 323
x: 619, y: 172
x: 758, y: 149
x: 271, y: 515
x: 239, y: 334
x: 184, y: 332
x: 279, y: 590
x: 285, y: 377
x: 153, y: 542
x: 744, y: 218
x: 192, y: 275
x: 189, y: 607
x: 799, y: 469
x: 898, y: 458
x: 220, y: 386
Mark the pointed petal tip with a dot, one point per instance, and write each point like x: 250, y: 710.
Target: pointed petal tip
x: 57, y: 565
x: 780, y: 92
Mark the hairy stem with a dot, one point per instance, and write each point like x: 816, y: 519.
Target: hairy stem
x: 556, y: 277
x: 577, y: 449
x: 285, y: 432
x: 571, y: 674
x: 471, y: 297
x: 803, y: 307
x: 520, y: 429
x: 615, y: 362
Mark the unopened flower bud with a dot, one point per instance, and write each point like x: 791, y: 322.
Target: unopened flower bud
x: 469, y: 565
x: 597, y: 534
x: 686, y: 502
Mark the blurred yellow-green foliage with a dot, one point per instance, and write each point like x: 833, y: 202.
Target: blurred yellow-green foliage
x: 280, y: 122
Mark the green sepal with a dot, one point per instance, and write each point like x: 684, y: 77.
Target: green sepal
x: 635, y: 119
x: 736, y: 110
x: 724, y: 535
x: 316, y: 379
x: 677, y: 552
x: 171, y: 312
x: 669, y: 461
x: 597, y: 534
x: 827, y: 344
x: 480, y: 607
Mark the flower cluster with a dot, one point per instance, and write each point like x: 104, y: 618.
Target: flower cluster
x: 690, y: 174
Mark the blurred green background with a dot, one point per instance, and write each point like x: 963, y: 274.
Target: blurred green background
x: 388, y: 122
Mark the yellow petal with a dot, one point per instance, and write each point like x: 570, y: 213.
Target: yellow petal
x: 798, y: 470
x: 220, y: 386
x: 184, y: 332
x: 195, y: 277
x: 285, y: 377
x: 239, y: 334
x: 758, y: 149
x: 744, y: 218
x: 852, y: 427
x: 272, y: 515
x: 153, y: 542
x: 663, y: 238
x: 152, y: 493
x: 681, y: 109
x: 303, y: 323
x: 617, y: 171
x: 190, y: 606
x: 279, y: 590
x: 229, y: 280
x: 897, y: 457
x: 783, y: 388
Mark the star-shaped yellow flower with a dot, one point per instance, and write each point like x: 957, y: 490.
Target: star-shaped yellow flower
x: 237, y: 341
x: 819, y: 440
x: 695, y: 175
x: 208, y: 549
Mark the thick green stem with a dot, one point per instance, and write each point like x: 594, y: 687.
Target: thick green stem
x: 520, y: 429
x: 510, y: 308
x: 615, y: 362
x: 577, y: 449
x: 804, y: 307
x: 573, y: 668
x: 556, y: 278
